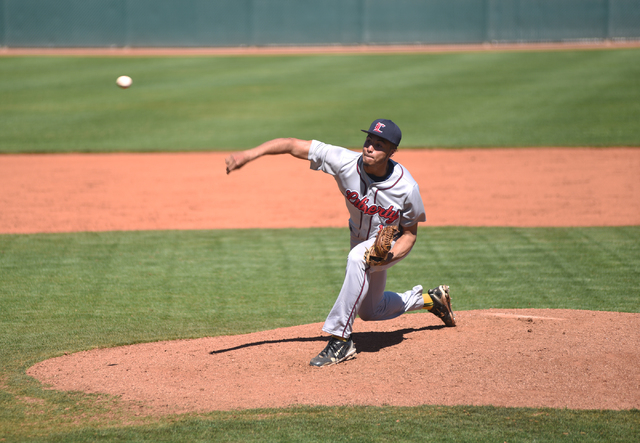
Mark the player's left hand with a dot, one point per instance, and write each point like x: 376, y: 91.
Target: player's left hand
x: 378, y: 254
x: 372, y: 262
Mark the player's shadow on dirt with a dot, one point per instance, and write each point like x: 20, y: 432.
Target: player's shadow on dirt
x: 375, y: 341
x: 269, y: 342
x: 364, y: 341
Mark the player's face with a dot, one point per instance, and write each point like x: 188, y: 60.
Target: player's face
x: 375, y: 154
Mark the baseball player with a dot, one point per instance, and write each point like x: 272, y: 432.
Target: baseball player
x: 379, y: 192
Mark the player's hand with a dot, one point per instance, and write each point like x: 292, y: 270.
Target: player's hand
x: 235, y: 161
x: 387, y: 260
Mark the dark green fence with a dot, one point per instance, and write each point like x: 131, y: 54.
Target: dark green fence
x: 189, y: 23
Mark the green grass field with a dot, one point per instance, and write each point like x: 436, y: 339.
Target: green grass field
x: 70, y: 292
x: 563, y: 98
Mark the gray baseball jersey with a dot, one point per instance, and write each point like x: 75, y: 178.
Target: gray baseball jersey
x: 394, y: 200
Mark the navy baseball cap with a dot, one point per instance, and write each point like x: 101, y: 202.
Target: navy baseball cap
x: 385, y: 129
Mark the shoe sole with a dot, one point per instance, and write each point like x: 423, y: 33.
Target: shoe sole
x: 447, y: 302
x: 346, y: 358
x: 349, y: 356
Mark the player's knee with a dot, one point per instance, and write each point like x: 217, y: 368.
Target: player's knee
x: 356, y: 257
x: 366, y: 316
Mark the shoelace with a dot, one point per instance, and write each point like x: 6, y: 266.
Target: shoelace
x: 334, y: 346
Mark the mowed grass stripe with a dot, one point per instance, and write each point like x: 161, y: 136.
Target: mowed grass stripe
x: 556, y: 98
x: 385, y: 424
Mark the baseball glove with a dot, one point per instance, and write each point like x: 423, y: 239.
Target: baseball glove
x: 377, y: 253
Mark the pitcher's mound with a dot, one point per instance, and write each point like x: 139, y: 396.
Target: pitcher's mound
x: 529, y: 358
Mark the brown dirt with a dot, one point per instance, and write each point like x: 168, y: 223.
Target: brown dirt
x: 532, y: 358
x: 499, y: 187
x: 536, y: 358
x: 334, y: 49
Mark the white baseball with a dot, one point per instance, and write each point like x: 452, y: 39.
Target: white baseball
x: 124, y: 81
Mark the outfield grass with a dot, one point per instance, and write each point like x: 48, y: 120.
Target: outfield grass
x: 422, y: 424
x: 70, y: 292
x: 559, y: 98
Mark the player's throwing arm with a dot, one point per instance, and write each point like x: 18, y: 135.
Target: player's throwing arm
x: 297, y: 148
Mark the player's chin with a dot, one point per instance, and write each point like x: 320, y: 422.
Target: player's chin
x: 368, y: 161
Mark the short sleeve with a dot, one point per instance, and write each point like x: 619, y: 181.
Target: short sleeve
x: 414, y: 208
x: 328, y: 158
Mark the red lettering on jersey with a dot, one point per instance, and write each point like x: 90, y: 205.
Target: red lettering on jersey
x: 389, y: 213
x: 379, y: 127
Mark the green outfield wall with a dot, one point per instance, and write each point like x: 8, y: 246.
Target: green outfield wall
x: 206, y: 23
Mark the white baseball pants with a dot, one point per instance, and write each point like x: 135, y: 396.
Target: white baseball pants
x: 363, y: 294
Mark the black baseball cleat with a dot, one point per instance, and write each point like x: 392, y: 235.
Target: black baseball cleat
x: 335, y: 352
x: 442, y: 304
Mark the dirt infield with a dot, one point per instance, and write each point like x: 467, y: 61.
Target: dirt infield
x: 497, y: 187
x: 334, y: 49
x: 537, y: 358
